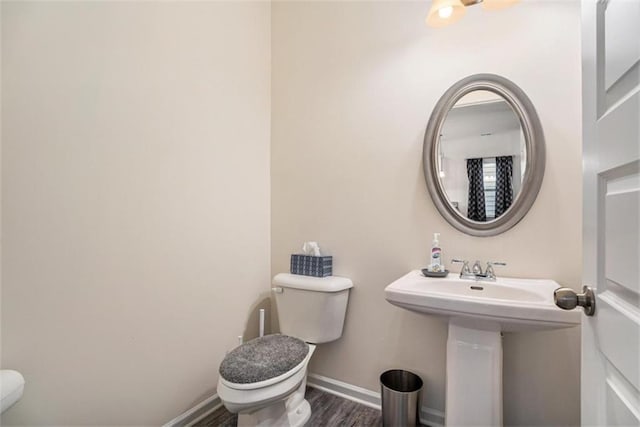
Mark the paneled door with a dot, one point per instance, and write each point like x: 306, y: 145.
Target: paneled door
x: 611, y: 231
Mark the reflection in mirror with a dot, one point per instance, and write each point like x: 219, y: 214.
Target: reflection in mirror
x: 481, y: 156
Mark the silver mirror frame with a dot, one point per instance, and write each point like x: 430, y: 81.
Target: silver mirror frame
x: 535, y: 151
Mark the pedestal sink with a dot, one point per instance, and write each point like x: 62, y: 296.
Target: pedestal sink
x: 478, y: 312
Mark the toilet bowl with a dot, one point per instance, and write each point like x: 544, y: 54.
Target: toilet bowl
x: 275, y: 401
x: 264, y: 380
x: 11, y: 388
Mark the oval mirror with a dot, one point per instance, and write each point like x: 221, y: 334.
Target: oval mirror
x: 484, y: 155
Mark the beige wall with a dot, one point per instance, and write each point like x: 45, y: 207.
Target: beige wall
x: 353, y: 86
x: 135, y: 182
x: 135, y: 165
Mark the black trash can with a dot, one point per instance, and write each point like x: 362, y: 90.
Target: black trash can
x: 400, y: 398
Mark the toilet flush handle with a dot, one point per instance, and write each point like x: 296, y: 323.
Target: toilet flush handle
x: 277, y: 290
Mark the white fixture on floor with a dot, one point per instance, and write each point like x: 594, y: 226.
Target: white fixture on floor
x: 11, y: 388
x: 477, y: 312
x: 311, y: 309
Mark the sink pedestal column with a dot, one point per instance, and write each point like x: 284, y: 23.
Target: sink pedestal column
x: 474, y: 373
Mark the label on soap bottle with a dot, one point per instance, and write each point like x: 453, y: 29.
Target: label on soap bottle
x: 435, y: 259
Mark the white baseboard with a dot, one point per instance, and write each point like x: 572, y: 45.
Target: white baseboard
x: 338, y: 388
x: 431, y: 417
x: 195, y: 414
x: 428, y: 416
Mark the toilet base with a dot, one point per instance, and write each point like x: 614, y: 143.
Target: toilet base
x: 277, y: 415
x: 294, y: 411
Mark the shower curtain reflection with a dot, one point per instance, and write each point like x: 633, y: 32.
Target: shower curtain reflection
x: 504, y: 184
x: 476, y: 208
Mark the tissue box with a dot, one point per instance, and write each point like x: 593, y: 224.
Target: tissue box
x: 307, y: 265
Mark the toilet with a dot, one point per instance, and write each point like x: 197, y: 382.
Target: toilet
x: 11, y: 388
x: 264, y: 380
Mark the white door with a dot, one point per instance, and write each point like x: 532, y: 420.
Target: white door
x: 611, y: 230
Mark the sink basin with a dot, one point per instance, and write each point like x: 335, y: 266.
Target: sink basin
x: 478, y: 312
x: 508, y: 304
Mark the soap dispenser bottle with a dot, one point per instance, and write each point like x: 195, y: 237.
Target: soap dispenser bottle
x: 436, y: 254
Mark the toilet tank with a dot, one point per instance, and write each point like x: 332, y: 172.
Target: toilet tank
x: 311, y: 308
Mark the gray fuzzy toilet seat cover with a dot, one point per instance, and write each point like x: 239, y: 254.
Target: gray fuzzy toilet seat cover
x: 263, y: 358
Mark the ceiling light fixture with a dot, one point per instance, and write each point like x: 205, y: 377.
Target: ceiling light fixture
x: 446, y: 12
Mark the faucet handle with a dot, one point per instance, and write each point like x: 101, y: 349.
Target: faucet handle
x: 477, y: 268
x: 465, y: 266
x: 489, y: 272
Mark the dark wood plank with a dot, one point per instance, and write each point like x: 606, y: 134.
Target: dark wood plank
x: 330, y: 410
x: 220, y: 418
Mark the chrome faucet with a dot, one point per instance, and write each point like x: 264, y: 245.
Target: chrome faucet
x: 475, y: 272
x: 476, y: 269
x: 465, y: 271
x: 489, y: 273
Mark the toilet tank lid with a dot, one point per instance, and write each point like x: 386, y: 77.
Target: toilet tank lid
x: 309, y: 283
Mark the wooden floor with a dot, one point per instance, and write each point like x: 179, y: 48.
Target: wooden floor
x: 326, y: 410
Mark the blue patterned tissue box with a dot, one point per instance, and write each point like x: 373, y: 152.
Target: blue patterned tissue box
x: 307, y: 265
